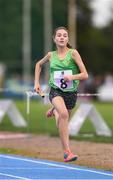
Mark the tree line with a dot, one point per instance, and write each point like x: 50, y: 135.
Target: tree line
x: 94, y: 44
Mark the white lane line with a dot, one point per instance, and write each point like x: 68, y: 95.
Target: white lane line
x: 27, y: 168
x: 56, y: 165
x: 12, y: 176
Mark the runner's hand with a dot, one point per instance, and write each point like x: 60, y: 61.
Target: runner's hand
x: 68, y: 77
x: 37, y: 88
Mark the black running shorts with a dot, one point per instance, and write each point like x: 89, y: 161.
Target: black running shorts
x: 70, y: 98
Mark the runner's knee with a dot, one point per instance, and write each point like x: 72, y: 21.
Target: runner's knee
x: 63, y: 114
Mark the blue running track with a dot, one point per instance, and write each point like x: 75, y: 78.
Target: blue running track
x: 18, y: 167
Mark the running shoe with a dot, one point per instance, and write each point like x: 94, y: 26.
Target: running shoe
x: 50, y: 113
x: 69, y: 156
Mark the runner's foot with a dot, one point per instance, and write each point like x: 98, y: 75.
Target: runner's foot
x: 50, y: 112
x: 69, y: 156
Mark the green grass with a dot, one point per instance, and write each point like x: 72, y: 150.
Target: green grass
x: 27, y: 153
x: 38, y: 123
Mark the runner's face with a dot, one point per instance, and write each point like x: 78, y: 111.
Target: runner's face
x: 61, y: 38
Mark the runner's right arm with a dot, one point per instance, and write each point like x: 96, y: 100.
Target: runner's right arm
x: 38, y: 68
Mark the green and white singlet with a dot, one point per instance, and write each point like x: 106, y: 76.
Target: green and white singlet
x: 58, y: 68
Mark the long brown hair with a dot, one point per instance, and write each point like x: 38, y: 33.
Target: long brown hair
x: 61, y: 27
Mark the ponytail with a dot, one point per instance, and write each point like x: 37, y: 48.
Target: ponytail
x: 69, y: 46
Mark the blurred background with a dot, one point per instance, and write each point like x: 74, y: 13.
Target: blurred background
x: 26, y: 35
x: 26, y: 28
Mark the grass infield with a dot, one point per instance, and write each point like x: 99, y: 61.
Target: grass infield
x: 39, y: 124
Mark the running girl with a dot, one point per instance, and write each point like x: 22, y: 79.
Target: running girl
x: 66, y: 70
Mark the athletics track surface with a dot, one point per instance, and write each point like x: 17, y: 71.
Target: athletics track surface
x: 14, y: 167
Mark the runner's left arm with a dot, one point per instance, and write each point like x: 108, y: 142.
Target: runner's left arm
x: 83, y: 72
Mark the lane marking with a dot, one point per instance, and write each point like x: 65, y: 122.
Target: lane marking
x: 55, y: 165
x: 12, y: 176
x: 27, y: 168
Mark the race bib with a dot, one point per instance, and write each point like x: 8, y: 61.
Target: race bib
x: 60, y: 82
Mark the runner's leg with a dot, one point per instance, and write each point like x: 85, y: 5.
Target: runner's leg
x: 63, y: 117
